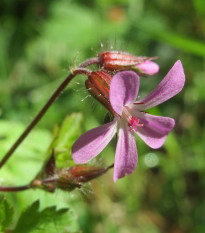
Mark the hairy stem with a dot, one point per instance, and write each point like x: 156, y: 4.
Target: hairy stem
x: 57, y: 92
x: 36, y: 183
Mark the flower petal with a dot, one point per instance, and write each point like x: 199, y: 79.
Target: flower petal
x: 171, y: 85
x: 148, y: 68
x: 93, y: 142
x: 126, y: 154
x: 123, y: 90
x: 155, y: 129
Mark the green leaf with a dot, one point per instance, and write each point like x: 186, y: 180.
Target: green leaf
x: 161, y: 32
x: 69, y: 131
x: 181, y: 42
x: 28, y: 219
x: 26, y: 161
x: 199, y: 7
x: 48, y: 220
x: 6, y: 214
x: 52, y: 220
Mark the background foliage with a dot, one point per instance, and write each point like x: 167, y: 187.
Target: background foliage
x: 39, y: 41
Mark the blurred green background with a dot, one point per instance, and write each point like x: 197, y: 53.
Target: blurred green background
x: 39, y: 41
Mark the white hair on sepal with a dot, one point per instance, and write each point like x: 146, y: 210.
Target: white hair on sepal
x: 85, y: 98
x: 66, y: 196
x: 86, y: 191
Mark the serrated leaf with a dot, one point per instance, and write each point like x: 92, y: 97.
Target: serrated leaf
x: 6, y: 214
x: 48, y: 220
x: 28, y: 218
x: 52, y: 221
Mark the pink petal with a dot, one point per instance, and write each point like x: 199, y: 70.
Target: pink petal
x: 155, y: 129
x: 171, y: 85
x: 126, y: 154
x: 93, y: 142
x: 148, y: 68
x: 123, y: 90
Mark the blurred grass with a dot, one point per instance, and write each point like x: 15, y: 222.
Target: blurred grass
x: 40, y: 40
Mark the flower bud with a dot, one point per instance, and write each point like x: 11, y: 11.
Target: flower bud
x: 66, y: 181
x: 98, y: 84
x: 73, y: 177
x: 146, y: 68
x: 85, y: 173
x: 117, y: 61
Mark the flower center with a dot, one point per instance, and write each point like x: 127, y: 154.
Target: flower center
x: 133, y: 122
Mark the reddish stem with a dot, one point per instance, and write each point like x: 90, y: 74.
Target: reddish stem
x: 41, y: 113
x: 14, y: 189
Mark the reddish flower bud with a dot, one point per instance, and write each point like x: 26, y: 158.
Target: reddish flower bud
x: 98, y: 84
x: 117, y: 61
x: 66, y: 181
x: 71, y: 178
x: 85, y: 173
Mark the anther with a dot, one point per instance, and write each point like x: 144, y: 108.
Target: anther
x: 133, y: 123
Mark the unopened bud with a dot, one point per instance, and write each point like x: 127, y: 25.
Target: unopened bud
x: 118, y: 61
x: 66, y: 181
x: 146, y: 68
x: 85, y: 173
x: 98, y: 84
x: 71, y: 178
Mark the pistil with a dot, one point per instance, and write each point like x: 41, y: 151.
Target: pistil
x: 133, y: 122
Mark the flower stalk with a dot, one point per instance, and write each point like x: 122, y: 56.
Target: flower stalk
x: 41, y: 113
x: 66, y: 179
x: 14, y: 189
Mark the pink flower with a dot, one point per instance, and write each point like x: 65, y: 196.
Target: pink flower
x: 131, y: 118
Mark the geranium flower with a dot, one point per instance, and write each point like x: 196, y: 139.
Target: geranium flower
x: 131, y: 118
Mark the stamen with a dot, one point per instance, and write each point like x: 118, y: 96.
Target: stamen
x: 133, y: 123
x: 138, y: 103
